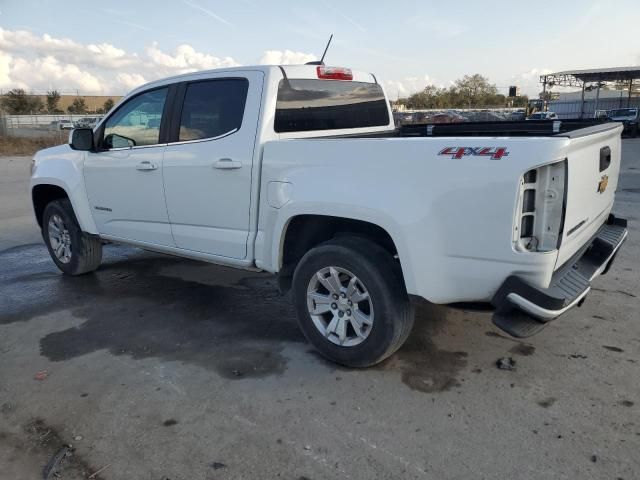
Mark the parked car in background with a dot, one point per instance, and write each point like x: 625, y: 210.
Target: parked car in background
x: 517, y: 116
x: 61, y: 125
x: 628, y: 117
x: 601, y: 114
x: 485, y: 116
x: 448, y: 117
x: 87, y: 122
x: 543, y: 116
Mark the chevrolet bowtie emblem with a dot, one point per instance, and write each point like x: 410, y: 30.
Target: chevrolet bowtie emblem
x: 602, y: 184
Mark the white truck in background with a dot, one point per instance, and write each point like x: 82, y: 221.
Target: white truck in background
x: 299, y: 171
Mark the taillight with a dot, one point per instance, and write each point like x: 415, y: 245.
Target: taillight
x: 334, y: 73
x: 540, y: 210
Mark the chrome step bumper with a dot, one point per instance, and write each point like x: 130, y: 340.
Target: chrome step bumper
x: 522, y: 309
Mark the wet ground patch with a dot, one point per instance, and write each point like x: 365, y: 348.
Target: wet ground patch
x: 423, y: 366
x: 130, y: 308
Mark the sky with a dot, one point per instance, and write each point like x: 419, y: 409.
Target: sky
x: 111, y: 47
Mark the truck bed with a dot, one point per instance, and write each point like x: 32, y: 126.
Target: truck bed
x: 528, y: 128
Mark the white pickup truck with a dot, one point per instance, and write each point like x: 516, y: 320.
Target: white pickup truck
x: 299, y: 171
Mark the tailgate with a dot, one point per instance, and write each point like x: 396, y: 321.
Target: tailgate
x: 593, y: 163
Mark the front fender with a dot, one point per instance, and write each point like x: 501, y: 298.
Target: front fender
x: 61, y: 166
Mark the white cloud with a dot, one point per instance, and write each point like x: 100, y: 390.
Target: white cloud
x: 130, y: 80
x: 529, y: 81
x: 42, y: 62
x: 286, y: 57
x: 65, y: 49
x: 186, y: 59
x: 47, y: 72
x: 5, y: 63
x: 406, y: 86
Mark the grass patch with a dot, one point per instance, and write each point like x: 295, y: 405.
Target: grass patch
x: 27, y: 146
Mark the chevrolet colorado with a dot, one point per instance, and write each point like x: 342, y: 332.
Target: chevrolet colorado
x: 299, y: 171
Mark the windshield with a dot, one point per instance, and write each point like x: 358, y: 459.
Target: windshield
x: 537, y: 116
x: 623, y: 112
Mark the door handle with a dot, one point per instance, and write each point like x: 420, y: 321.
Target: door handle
x: 146, y: 166
x: 227, y: 164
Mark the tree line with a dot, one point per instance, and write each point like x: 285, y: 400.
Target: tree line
x: 18, y: 102
x: 470, y: 91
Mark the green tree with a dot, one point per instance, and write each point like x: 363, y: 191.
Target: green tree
x: 78, y: 106
x: 521, y: 101
x: 108, y: 105
x: 475, y: 91
x: 53, y: 98
x: 17, y: 102
x: 471, y: 91
x: 430, y: 97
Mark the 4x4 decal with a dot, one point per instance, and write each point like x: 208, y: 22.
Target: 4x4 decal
x: 495, y: 153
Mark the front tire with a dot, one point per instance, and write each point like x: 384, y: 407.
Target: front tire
x: 351, y: 302
x: 73, y: 251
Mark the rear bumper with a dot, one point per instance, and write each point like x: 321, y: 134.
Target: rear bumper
x: 522, y: 309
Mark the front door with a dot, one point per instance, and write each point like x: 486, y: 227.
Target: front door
x: 123, y: 177
x: 207, y: 169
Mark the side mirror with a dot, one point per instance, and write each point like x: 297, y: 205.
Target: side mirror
x: 82, y: 139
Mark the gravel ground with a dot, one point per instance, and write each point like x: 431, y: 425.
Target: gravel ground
x: 160, y: 368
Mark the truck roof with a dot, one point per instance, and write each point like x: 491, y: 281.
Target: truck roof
x: 292, y: 71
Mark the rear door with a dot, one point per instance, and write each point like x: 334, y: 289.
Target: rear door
x: 593, y: 156
x: 208, y: 163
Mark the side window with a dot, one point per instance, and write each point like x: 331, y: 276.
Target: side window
x: 137, y: 122
x: 212, y: 108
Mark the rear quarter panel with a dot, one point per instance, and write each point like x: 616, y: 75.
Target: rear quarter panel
x: 451, y: 219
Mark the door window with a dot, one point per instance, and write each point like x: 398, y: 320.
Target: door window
x: 212, y: 108
x: 137, y: 122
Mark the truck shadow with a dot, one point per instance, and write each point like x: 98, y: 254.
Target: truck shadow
x: 146, y: 305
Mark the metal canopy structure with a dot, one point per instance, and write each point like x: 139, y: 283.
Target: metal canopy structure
x: 596, y: 76
x: 572, y: 78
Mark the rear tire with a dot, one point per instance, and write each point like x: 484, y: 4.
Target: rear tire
x: 321, y: 282
x: 73, y: 251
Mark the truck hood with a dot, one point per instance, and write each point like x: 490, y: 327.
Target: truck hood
x: 54, y: 157
x: 54, y: 152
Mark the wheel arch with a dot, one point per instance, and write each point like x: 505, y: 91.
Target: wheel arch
x: 42, y: 195
x: 45, y: 190
x: 302, y: 232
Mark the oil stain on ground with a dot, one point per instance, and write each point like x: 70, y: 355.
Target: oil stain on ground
x: 423, y: 366
x: 523, y: 349
x: 130, y: 308
x: 613, y: 349
x: 547, y: 402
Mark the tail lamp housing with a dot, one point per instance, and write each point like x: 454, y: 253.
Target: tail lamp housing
x: 540, y: 209
x: 334, y: 73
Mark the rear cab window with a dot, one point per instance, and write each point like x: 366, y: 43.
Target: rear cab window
x: 304, y: 105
